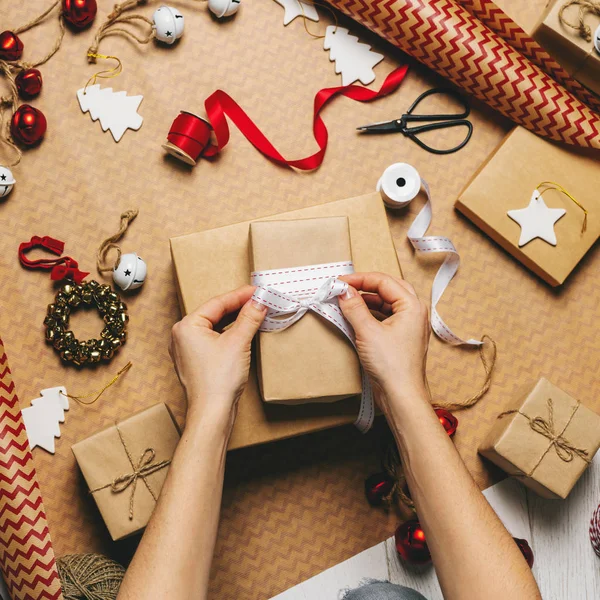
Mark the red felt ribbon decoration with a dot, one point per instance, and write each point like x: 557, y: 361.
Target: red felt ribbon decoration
x: 190, y: 134
x: 60, y: 268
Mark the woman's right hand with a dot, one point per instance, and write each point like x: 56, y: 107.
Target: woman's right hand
x: 392, y: 351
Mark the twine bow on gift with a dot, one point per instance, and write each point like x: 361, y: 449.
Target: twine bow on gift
x: 565, y: 450
x: 289, y: 294
x: 144, y: 467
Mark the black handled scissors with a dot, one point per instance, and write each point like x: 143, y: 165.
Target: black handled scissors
x: 433, y: 122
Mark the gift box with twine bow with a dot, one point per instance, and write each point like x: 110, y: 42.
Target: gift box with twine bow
x: 125, y: 467
x: 546, y: 440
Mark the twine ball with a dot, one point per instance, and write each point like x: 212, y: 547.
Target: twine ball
x: 89, y: 577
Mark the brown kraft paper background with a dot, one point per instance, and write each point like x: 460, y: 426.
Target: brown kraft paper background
x: 297, y: 507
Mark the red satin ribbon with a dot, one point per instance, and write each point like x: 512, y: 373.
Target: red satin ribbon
x: 60, y: 268
x: 219, y: 104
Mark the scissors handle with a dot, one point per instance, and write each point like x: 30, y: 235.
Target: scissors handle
x: 409, y: 116
x: 413, y: 133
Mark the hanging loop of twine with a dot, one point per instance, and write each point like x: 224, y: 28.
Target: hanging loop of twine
x: 144, y: 467
x: 551, y: 185
x: 564, y: 449
x: 110, y: 243
x: 106, y: 74
x: 392, y: 466
x: 305, y: 18
x: 96, y: 395
x: 488, y: 352
x: 581, y: 27
x: 116, y: 17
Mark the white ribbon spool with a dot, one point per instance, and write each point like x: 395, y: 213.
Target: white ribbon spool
x: 289, y: 294
x: 398, y: 186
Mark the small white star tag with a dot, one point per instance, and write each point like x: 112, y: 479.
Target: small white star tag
x: 537, y: 220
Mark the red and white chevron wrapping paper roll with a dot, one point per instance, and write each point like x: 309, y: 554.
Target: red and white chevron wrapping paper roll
x: 595, y: 531
x: 446, y: 37
x: 26, y: 554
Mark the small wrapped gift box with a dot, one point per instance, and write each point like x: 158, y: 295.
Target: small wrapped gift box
x: 311, y: 361
x: 546, y: 440
x: 575, y: 54
x: 125, y: 467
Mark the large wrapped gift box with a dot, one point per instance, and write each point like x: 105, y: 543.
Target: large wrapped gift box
x: 216, y: 261
x: 546, y: 440
x: 576, y: 55
x: 125, y: 467
x: 506, y: 182
x: 319, y: 362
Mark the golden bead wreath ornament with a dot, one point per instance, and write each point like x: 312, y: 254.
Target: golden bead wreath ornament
x: 27, y: 125
x: 89, y: 294
x: 72, y: 295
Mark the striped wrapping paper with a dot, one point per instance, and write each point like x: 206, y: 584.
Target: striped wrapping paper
x: 479, y: 48
x: 26, y: 554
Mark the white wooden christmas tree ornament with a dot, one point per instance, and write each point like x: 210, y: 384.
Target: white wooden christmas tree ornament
x: 297, y: 8
x: 116, y: 111
x: 537, y: 220
x: 168, y: 24
x: 223, y: 8
x: 353, y: 59
x: 42, y: 418
x: 7, y: 181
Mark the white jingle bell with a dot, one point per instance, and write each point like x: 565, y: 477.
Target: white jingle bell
x: 168, y: 24
x: 130, y: 273
x: 6, y: 181
x: 597, y: 40
x: 223, y: 8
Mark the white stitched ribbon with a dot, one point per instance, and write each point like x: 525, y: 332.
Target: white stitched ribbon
x: 289, y: 294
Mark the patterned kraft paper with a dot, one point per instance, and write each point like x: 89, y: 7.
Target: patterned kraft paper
x: 447, y: 38
x: 26, y: 553
x: 296, y: 507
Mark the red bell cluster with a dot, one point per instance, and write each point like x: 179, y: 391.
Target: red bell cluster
x: 11, y: 47
x: 448, y: 420
x: 411, y: 544
x: 28, y: 125
x: 29, y: 83
x: 79, y: 13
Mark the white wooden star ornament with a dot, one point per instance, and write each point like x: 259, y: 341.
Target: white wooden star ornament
x: 537, y: 220
x: 297, y: 8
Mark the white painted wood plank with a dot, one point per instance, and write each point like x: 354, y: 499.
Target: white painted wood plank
x: 509, y: 499
x: 566, y: 566
x: 330, y: 584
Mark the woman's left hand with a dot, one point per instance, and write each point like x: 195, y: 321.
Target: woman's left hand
x: 213, y: 367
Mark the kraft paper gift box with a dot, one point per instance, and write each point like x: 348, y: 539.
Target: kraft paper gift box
x: 143, y: 444
x: 574, y: 53
x: 213, y: 262
x: 506, y: 182
x: 546, y: 440
x: 311, y: 361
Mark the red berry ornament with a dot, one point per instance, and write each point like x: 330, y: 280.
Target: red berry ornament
x: 525, y: 548
x: 448, y: 420
x: 377, y: 486
x: 11, y: 47
x: 411, y: 544
x: 28, y: 125
x: 29, y: 83
x: 80, y: 13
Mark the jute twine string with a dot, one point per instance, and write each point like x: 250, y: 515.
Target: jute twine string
x: 581, y: 27
x: 11, y: 69
x: 110, y: 243
x: 116, y: 17
x: 96, y: 394
x: 144, y: 467
x: 565, y: 450
x: 89, y: 577
x: 392, y: 466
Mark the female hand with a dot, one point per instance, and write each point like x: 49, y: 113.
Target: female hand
x: 392, y: 351
x: 213, y: 367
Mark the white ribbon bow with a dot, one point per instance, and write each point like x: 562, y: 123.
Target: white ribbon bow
x: 290, y: 294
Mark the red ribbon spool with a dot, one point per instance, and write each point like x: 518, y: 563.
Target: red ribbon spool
x: 189, y: 138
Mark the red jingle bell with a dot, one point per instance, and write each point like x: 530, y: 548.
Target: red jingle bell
x: 11, y: 47
x: 411, y: 544
x: 526, y: 550
x: 80, y: 13
x: 377, y: 486
x: 448, y: 420
x: 28, y: 125
x: 29, y: 83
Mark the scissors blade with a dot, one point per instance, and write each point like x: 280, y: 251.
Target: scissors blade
x: 382, y: 127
